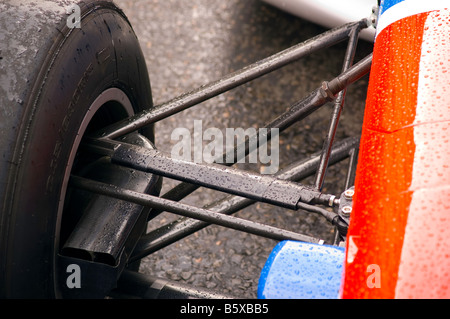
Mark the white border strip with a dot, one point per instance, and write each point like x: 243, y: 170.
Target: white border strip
x: 408, y: 8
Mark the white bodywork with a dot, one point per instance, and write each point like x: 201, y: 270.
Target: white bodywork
x: 330, y: 13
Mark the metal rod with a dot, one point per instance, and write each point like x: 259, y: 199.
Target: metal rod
x: 230, y: 81
x: 352, y: 75
x: 190, y: 211
x: 350, y: 179
x: 338, y: 106
x: 183, y: 227
x: 134, y: 285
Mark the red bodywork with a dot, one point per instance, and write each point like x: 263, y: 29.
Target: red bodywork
x: 397, y: 243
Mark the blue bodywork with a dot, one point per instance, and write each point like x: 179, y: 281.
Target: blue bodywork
x: 297, y: 270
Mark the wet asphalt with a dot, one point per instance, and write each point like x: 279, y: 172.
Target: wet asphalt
x: 190, y: 43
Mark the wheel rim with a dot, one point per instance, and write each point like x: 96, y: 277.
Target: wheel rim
x: 115, y: 105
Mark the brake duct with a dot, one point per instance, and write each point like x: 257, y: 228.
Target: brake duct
x: 107, y: 229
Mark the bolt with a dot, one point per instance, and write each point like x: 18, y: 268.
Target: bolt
x: 348, y: 194
x: 346, y: 210
x: 326, y: 91
x: 336, y: 202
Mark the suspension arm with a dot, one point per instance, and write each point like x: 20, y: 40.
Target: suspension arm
x: 263, y: 188
x: 189, y: 211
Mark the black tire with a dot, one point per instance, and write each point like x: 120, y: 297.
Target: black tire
x: 50, y: 76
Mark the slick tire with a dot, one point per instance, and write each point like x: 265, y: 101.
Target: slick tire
x: 57, y: 81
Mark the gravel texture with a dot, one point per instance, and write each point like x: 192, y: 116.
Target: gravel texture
x: 191, y: 43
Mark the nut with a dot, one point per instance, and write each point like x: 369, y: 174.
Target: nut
x: 326, y: 91
x: 346, y: 210
x: 348, y: 194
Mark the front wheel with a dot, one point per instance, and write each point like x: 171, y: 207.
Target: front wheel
x: 59, y: 81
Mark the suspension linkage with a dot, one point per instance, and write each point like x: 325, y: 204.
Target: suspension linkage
x: 263, y: 188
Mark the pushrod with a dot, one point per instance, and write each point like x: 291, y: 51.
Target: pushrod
x: 338, y: 106
x: 260, y: 187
